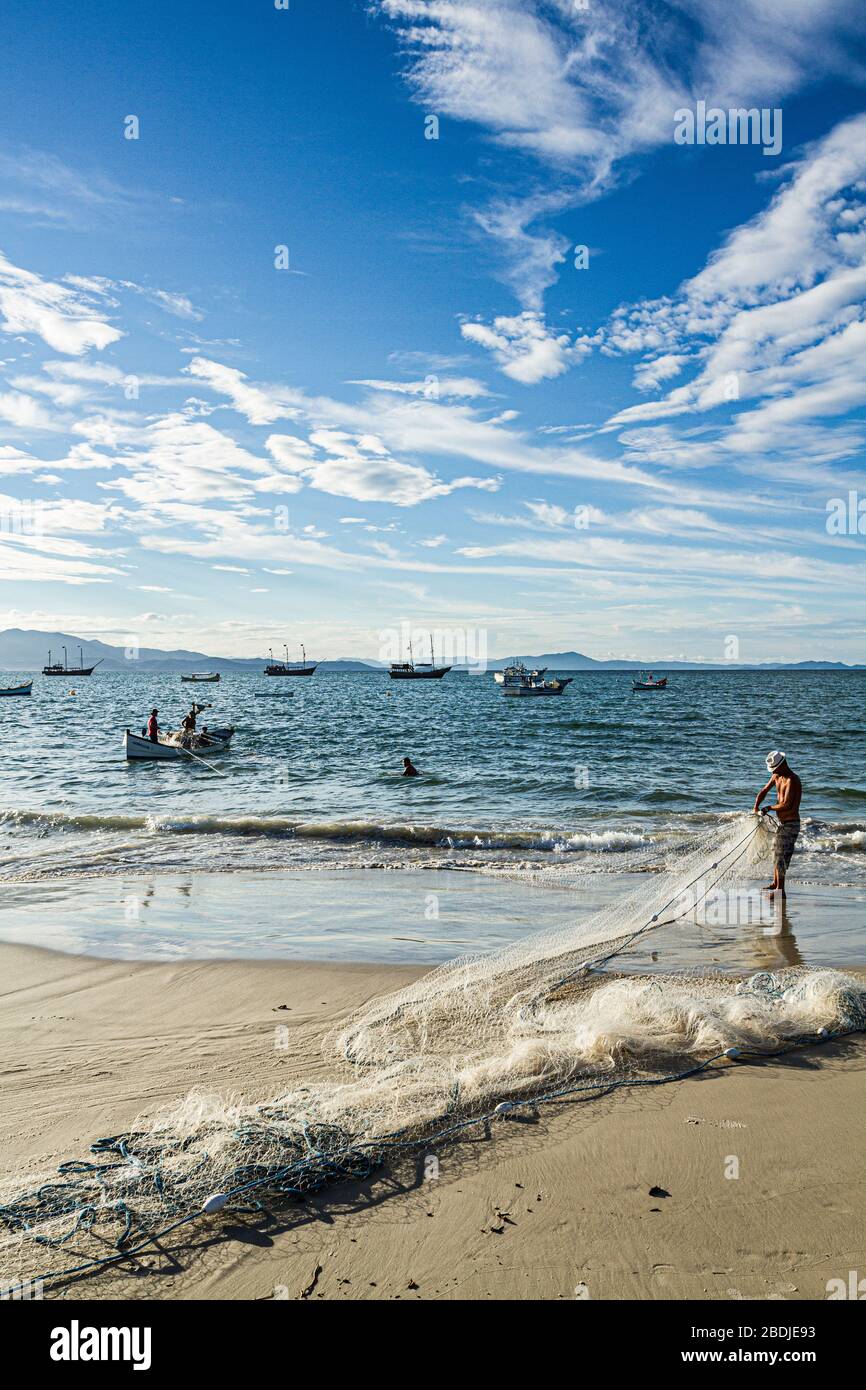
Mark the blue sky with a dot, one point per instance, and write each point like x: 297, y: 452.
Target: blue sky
x: 439, y: 414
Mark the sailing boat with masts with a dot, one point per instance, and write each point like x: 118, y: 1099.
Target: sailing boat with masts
x: 412, y: 670
x: 291, y: 668
x: 54, y: 668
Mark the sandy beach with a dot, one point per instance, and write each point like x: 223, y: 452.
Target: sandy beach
x: 557, y: 1209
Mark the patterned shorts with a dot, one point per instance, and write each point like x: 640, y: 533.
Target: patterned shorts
x: 783, y: 848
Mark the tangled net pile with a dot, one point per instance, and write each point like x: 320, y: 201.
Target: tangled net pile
x: 475, y: 1039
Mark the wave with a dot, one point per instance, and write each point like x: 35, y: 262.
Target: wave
x: 282, y: 827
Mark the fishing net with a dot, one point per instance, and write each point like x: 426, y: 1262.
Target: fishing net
x: 475, y: 1040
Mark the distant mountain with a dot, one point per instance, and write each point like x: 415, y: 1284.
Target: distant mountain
x: 577, y: 661
x: 26, y: 650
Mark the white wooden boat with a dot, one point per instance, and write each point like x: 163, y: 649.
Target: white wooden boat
x: 169, y: 747
x: 24, y: 689
x: 202, y: 677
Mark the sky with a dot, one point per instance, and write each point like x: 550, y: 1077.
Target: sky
x: 326, y: 322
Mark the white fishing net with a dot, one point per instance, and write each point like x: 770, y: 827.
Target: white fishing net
x: 548, y: 1015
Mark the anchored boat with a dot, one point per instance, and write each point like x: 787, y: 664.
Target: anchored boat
x: 170, y: 747
x: 521, y: 682
x: 291, y: 668
x: 202, y: 677
x: 515, y: 672
x: 647, y: 683
x: 25, y: 688
x: 54, y: 668
x: 412, y: 670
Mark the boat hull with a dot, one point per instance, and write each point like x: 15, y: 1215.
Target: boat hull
x: 25, y: 689
x: 301, y: 671
x: 434, y: 674
x: 548, y: 688
x: 201, y: 680
x: 138, y: 749
x: 68, y: 671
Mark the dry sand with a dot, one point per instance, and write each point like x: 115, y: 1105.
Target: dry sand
x: 559, y: 1209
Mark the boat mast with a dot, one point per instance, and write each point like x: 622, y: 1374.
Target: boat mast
x: 65, y: 660
x: 286, y: 650
x: 303, y: 655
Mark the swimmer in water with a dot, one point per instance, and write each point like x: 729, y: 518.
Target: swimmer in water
x: 409, y: 770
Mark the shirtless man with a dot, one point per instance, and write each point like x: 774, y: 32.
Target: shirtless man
x: 409, y: 770
x: 789, y: 790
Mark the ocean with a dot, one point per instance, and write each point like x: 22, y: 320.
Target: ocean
x: 597, y: 785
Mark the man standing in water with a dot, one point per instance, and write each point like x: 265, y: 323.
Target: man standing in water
x: 789, y: 790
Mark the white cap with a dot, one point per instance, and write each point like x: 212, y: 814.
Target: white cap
x: 775, y: 759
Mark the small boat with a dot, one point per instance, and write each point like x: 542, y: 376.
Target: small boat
x: 54, y: 668
x: 290, y: 668
x: 24, y: 689
x: 533, y: 683
x: 648, y: 683
x: 412, y: 670
x: 168, y: 747
x: 202, y: 677
x: 276, y: 694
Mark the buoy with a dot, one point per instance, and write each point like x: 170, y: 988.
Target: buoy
x: 215, y: 1202
x: 503, y: 1107
x: 732, y: 1052
x: 823, y: 1032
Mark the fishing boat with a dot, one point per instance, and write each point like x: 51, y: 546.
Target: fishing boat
x: 276, y: 694
x: 171, y: 746
x: 412, y: 670
x: 648, y: 683
x: 533, y: 683
x: 291, y: 668
x: 515, y: 672
x: 202, y: 677
x: 24, y: 689
x: 54, y: 668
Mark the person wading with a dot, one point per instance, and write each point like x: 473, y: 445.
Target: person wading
x: 789, y: 791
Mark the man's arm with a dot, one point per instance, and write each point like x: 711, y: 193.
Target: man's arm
x: 763, y: 792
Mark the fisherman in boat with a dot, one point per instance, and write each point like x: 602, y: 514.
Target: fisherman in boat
x: 408, y: 769
x: 187, y: 727
x: 187, y: 724
x: 789, y: 791
x: 153, y: 727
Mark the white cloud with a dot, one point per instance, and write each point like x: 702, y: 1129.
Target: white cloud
x: 260, y: 404
x: 777, y: 336
x: 432, y: 387
x: 524, y: 348
x: 361, y: 467
x: 63, y: 317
